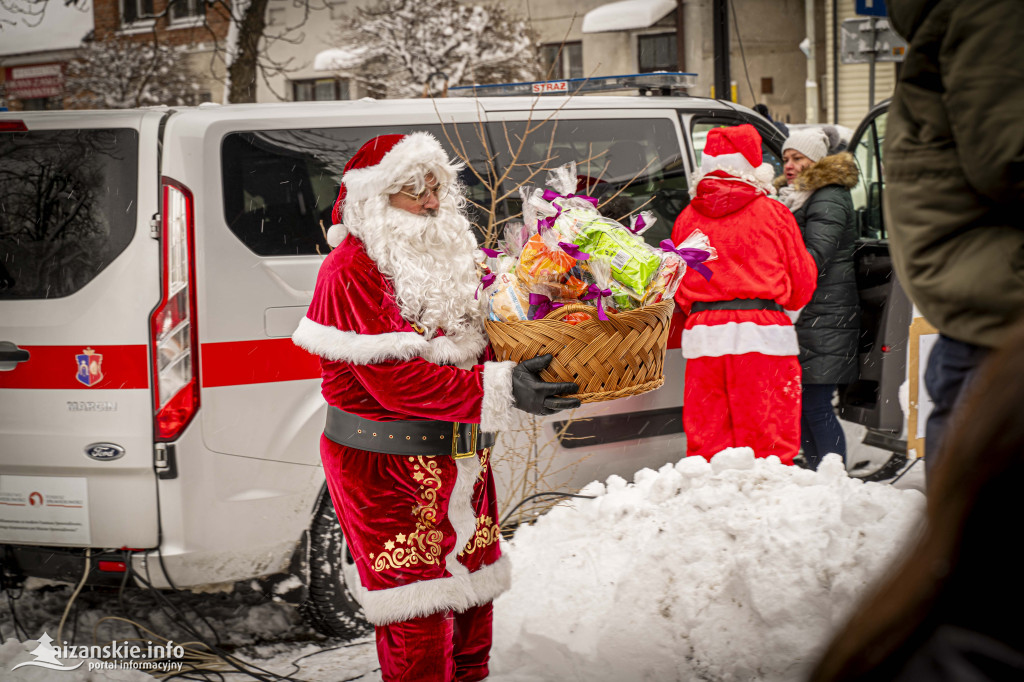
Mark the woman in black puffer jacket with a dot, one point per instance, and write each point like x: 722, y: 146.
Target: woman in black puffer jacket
x: 817, y: 190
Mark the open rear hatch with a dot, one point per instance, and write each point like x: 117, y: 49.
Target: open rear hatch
x: 79, y: 277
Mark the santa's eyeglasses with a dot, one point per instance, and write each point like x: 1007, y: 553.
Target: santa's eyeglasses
x: 439, y: 191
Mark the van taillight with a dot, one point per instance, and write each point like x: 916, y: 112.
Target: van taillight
x: 13, y: 127
x: 173, y: 340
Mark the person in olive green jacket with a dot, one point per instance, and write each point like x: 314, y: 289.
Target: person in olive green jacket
x: 954, y: 173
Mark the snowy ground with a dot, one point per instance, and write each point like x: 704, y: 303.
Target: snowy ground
x: 737, y: 570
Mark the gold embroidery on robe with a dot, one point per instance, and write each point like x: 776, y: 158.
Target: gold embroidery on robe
x: 487, y: 532
x: 424, y: 544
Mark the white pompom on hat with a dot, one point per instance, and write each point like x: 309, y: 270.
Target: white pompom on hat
x: 811, y: 142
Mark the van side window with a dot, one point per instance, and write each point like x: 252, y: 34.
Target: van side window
x: 280, y: 185
x: 69, y: 207
x: 628, y: 165
x: 867, y: 195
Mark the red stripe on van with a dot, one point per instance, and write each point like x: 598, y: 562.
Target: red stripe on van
x: 236, y: 363
x: 56, y: 367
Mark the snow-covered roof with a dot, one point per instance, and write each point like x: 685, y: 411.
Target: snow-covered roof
x: 338, y: 58
x: 39, y: 27
x: 626, y: 15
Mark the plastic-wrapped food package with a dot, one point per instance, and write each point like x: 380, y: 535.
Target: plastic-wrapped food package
x: 508, y: 300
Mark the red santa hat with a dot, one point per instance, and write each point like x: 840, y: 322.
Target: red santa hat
x: 382, y: 162
x: 736, y: 151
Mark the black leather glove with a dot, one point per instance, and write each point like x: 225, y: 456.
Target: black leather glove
x: 536, y: 396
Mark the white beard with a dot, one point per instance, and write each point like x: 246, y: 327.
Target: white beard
x: 429, y: 260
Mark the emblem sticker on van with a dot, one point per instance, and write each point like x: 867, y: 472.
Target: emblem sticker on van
x: 90, y: 367
x: 104, y: 452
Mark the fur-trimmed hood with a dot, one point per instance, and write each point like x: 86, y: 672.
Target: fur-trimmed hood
x: 837, y: 169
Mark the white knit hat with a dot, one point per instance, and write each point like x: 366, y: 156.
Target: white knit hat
x: 811, y: 142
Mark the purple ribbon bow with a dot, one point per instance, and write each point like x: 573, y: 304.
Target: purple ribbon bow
x: 485, y: 281
x: 544, y: 305
x: 574, y: 251
x: 490, y: 253
x: 638, y: 226
x: 550, y: 195
x: 598, y: 293
x: 694, y: 258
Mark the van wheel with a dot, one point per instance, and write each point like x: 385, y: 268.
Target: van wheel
x: 330, y: 608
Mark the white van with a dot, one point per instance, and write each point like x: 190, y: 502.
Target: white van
x: 156, y: 418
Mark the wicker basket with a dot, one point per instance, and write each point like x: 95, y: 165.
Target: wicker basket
x: 622, y: 357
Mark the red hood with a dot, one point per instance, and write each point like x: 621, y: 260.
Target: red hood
x: 717, y: 197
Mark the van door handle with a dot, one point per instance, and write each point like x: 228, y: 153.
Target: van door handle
x: 11, y: 355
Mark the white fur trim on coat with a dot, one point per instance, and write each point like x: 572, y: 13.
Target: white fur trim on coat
x: 366, y: 349
x: 730, y: 163
x: 496, y: 412
x: 461, y: 514
x: 414, y: 600
x: 412, y: 153
x: 737, y: 338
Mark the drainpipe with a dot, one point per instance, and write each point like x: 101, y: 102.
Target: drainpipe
x: 811, y: 82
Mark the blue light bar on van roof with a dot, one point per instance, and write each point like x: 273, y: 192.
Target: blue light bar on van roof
x: 661, y: 82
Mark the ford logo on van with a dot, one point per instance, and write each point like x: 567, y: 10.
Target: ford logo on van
x: 104, y: 452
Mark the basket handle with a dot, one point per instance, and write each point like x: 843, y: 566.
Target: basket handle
x: 558, y: 313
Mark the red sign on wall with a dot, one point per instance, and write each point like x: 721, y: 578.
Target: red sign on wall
x: 35, y: 81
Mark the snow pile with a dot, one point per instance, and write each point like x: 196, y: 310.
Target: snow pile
x: 735, y: 570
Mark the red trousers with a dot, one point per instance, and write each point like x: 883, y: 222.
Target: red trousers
x: 750, y: 400
x: 441, y: 647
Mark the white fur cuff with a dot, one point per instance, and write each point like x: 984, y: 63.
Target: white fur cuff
x: 496, y: 411
x: 368, y: 349
x: 425, y: 597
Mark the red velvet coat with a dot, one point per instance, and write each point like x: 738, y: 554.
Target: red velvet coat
x: 423, y: 530
x: 760, y: 255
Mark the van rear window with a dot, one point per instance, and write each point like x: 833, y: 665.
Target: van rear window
x: 67, y: 208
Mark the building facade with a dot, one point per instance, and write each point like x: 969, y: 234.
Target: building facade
x: 781, y: 53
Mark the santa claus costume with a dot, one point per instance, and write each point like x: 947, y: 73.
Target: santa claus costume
x: 742, y: 372
x: 411, y: 400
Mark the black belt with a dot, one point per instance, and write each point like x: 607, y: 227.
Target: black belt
x: 430, y: 438
x: 736, y: 304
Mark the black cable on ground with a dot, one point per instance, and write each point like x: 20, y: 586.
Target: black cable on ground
x: 14, y: 614
x: 551, y: 493
x: 225, y: 656
x: 295, y: 662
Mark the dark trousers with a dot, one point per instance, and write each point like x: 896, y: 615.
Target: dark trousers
x: 952, y: 367
x: 820, y: 430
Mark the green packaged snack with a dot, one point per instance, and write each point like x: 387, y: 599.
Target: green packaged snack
x: 633, y: 264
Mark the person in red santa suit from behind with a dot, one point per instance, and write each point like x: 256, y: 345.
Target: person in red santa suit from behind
x: 414, y: 398
x: 742, y: 383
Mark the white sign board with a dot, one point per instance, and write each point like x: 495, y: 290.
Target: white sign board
x: 924, y: 400
x: 44, y: 510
